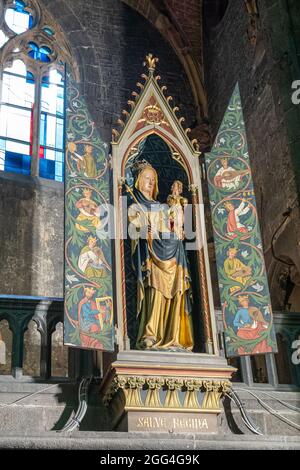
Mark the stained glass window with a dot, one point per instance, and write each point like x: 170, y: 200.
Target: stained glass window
x: 39, y: 53
x: 16, y: 119
x: 18, y: 19
x: 32, y: 96
x: 52, y: 126
x: 3, y: 38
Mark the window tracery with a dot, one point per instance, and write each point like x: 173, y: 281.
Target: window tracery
x: 33, y: 54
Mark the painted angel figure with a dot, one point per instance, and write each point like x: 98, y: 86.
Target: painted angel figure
x: 85, y: 163
x: 228, y: 177
x: 92, y: 261
x: 177, y: 204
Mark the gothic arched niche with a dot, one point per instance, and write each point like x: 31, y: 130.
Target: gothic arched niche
x: 32, y: 350
x: 6, y: 339
x: 59, y: 353
x: 154, y: 136
x: 169, y: 166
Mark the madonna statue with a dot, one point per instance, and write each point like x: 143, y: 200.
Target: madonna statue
x: 160, y: 263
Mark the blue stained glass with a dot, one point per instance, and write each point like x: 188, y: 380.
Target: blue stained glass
x: 47, y: 169
x: 19, y: 5
x: 59, y: 156
x: 58, y: 169
x: 44, y: 58
x: 29, y: 77
x: 39, y: 53
x: 45, y: 81
x: 17, y: 163
x: 60, y: 106
x: 45, y: 50
x: 48, y: 31
x: 59, y: 133
x: 17, y: 18
x: 43, y: 130
x: 34, y: 50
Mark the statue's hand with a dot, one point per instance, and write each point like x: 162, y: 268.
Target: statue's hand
x: 152, y: 232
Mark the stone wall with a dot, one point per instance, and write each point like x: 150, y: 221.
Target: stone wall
x: 264, y: 75
x: 32, y: 227
x: 110, y: 41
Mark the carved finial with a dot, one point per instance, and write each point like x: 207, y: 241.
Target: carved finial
x: 116, y: 134
x: 122, y: 181
x: 195, y: 144
x: 193, y: 188
x: 131, y: 103
x: 150, y: 63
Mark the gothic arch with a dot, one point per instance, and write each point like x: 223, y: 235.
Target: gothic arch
x: 41, y: 20
x: 152, y: 113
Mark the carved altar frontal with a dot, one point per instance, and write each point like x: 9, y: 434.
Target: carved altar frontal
x: 166, y: 392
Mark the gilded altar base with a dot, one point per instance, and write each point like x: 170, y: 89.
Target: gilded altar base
x: 166, y: 392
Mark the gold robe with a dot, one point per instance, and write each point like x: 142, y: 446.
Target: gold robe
x: 163, y: 319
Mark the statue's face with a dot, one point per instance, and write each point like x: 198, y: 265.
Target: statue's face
x: 177, y: 187
x: 147, y: 182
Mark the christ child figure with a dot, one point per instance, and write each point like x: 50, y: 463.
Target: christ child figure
x: 176, y: 205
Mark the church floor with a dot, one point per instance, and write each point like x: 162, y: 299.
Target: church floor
x: 34, y: 422
x: 145, y: 441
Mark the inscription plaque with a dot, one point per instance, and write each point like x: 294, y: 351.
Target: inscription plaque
x: 199, y: 423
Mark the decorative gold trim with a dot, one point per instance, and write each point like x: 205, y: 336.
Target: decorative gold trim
x: 193, y: 188
x: 174, y: 410
x: 152, y: 398
x: 172, y: 399
x: 178, y: 367
x: 164, y: 393
x: 191, y: 397
x: 151, y: 62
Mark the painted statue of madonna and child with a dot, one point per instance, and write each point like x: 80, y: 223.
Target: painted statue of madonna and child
x: 160, y: 263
